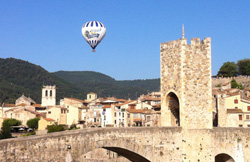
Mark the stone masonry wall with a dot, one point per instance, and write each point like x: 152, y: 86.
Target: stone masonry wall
x: 155, y: 144
x: 186, y: 71
x: 244, y: 80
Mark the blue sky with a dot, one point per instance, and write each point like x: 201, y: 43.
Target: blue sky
x: 48, y: 33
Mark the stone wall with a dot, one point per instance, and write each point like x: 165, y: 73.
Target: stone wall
x: 186, y: 72
x: 139, y: 144
x: 244, y: 80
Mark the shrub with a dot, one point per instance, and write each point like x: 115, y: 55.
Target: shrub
x: 73, y: 127
x: 5, y: 133
x: 33, y: 123
x: 55, y: 128
x: 234, y: 84
x: 12, y: 122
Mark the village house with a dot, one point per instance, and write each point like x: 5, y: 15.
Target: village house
x: 44, y: 122
x: 58, y: 114
x: 231, y: 108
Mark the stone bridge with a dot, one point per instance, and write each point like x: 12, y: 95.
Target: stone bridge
x: 143, y: 144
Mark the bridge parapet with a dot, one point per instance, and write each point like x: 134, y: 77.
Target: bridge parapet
x: 137, y: 144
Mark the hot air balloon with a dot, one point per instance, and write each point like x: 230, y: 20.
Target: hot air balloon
x: 93, y: 32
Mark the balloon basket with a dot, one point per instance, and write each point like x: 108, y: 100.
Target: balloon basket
x: 93, y: 50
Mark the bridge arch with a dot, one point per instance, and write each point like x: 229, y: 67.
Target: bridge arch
x: 173, y: 105
x: 132, y: 156
x: 223, y: 157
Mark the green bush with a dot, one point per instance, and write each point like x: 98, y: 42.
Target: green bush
x: 219, y: 85
x: 73, y: 127
x: 5, y: 132
x: 55, y: 128
x: 33, y: 123
x: 12, y: 122
x: 234, y: 84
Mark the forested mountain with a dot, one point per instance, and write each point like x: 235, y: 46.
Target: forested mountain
x: 106, y: 86
x: 19, y: 77
x: 86, y: 76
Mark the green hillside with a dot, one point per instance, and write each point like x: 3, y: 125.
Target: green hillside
x: 19, y: 77
x: 86, y: 76
x: 106, y: 86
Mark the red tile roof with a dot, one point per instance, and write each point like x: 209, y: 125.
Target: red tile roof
x: 49, y: 119
x: 9, y: 105
x: 106, y: 106
x: 79, y: 100
x: 234, y: 111
x: 137, y: 119
x: 135, y: 110
x: 22, y: 104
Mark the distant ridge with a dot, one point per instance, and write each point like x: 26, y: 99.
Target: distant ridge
x: 19, y: 77
x: 105, y: 85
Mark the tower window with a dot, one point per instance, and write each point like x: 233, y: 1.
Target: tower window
x: 50, y: 92
x: 46, y: 93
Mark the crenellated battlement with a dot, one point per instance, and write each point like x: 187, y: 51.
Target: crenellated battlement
x: 174, y: 43
x: 183, y: 42
x: 244, y: 80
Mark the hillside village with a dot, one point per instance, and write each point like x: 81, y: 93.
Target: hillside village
x: 231, y: 108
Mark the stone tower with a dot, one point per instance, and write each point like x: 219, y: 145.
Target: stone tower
x: 49, y: 95
x: 186, y: 84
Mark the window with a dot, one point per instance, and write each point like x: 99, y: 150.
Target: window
x: 123, y: 115
x: 128, y: 115
x: 248, y: 125
x: 240, y: 117
x: 50, y: 92
x: 46, y: 93
x: 115, y: 114
x: 236, y: 107
x: 104, y: 117
x: 248, y: 108
x: 235, y: 101
x: 148, y: 118
x: 95, y: 119
x: 49, y: 112
x: 247, y: 117
x: 115, y: 121
x: 89, y: 96
x: 134, y: 115
x: 240, y: 125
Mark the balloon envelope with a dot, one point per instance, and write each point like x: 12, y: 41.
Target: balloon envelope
x: 93, y: 32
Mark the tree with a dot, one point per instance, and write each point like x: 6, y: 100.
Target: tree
x: 228, y: 69
x: 33, y: 123
x: 12, y: 122
x: 248, y: 69
x: 5, y: 133
x: 244, y: 66
x: 6, y: 127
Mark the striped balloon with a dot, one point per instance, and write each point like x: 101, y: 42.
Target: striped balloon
x: 93, y: 32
